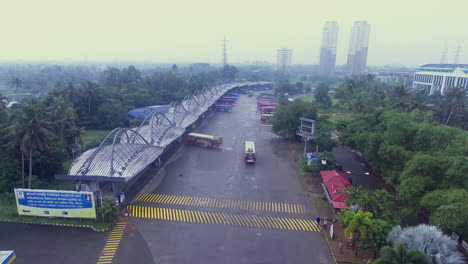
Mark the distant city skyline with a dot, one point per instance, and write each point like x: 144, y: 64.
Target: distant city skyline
x: 190, y: 31
x: 358, y: 48
x: 328, y: 48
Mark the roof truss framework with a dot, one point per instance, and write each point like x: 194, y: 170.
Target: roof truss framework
x: 125, y: 152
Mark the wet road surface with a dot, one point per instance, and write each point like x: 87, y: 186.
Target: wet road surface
x: 362, y: 175
x: 51, y: 244
x: 211, y: 207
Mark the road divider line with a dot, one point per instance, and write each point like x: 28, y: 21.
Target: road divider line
x: 218, y: 203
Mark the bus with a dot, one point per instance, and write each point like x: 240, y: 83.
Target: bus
x: 268, y: 109
x: 249, y: 153
x: 265, y: 117
x: 222, y: 107
x: 204, y: 140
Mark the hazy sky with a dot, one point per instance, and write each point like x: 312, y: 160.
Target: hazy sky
x: 403, y: 32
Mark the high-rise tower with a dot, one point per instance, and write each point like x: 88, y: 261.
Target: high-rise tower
x: 284, y: 59
x: 328, y: 48
x: 358, y: 46
x: 224, y: 52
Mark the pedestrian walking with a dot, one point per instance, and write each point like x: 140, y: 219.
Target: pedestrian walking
x: 340, y: 246
x: 325, y: 224
x: 318, y: 220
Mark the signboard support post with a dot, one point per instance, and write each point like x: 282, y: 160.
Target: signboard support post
x: 306, y: 131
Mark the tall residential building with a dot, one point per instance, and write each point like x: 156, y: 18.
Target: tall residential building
x: 284, y: 59
x: 328, y: 48
x: 358, y: 46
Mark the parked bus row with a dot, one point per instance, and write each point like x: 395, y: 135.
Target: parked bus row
x: 226, y: 102
x: 266, y: 105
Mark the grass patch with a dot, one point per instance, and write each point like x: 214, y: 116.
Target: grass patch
x: 58, y: 221
x: 308, y: 98
x: 336, y: 118
x: 93, y: 137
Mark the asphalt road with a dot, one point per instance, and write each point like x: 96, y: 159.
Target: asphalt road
x: 51, y: 244
x: 235, y: 223
x: 362, y: 175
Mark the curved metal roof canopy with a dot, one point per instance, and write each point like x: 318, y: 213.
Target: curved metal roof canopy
x: 125, y: 152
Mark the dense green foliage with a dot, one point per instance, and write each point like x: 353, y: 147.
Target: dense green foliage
x: 415, y: 155
x: 404, y: 137
x: 108, y: 209
x: 41, y: 134
x: 379, y: 202
x: 286, y: 120
x: 448, y: 209
x: 363, y: 94
x: 321, y: 95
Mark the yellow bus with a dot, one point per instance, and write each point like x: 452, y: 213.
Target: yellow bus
x: 249, y: 153
x: 204, y: 140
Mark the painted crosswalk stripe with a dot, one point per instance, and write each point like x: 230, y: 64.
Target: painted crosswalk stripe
x: 113, y: 241
x: 218, y: 203
x: 286, y: 223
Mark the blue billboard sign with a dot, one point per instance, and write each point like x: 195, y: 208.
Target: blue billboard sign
x: 55, y: 203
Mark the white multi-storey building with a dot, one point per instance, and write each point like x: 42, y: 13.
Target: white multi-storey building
x: 328, y: 48
x: 358, y: 46
x: 440, y: 77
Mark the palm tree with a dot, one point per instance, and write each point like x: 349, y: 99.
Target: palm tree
x: 455, y: 102
x: 14, y: 133
x: 62, y: 114
x: 399, y: 98
x: 72, y: 95
x: 3, y: 103
x: 16, y: 83
x: 89, y: 92
x: 30, y: 134
x: 357, y: 223
x: 400, y: 255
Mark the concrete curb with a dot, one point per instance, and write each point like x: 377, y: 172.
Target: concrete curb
x: 59, y: 224
x: 329, y: 246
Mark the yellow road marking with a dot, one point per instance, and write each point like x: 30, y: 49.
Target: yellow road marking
x: 113, y: 241
x: 218, y: 203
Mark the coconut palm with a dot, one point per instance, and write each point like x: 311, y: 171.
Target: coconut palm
x: 90, y: 93
x: 62, y: 114
x: 17, y: 84
x: 14, y: 133
x: 357, y: 223
x: 3, y: 104
x: 454, y: 102
x: 30, y: 133
x: 400, y: 255
x: 72, y: 95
